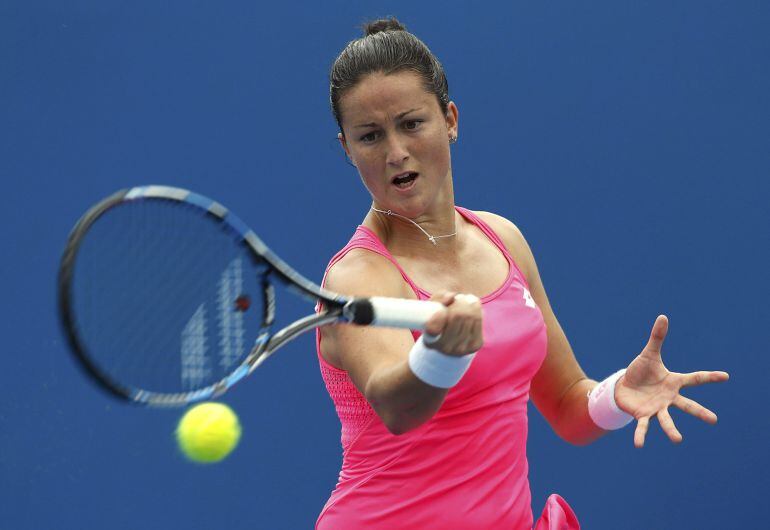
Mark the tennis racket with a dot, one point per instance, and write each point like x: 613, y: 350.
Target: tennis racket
x: 167, y: 298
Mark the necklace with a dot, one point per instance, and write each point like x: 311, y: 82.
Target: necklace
x: 431, y: 238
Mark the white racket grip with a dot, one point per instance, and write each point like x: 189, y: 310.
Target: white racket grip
x: 399, y: 313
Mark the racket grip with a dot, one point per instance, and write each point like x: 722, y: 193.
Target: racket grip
x: 391, y: 312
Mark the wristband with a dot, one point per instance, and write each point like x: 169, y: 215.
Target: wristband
x: 602, y: 407
x: 436, y: 368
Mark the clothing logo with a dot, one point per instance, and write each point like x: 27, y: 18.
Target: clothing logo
x: 528, y: 300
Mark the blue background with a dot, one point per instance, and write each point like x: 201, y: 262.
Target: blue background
x: 628, y: 140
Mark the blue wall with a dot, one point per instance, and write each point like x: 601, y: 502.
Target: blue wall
x: 628, y: 140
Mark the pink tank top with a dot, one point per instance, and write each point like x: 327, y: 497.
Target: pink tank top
x: 464, y: 468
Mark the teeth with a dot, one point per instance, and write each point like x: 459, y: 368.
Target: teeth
x: 406, y: 181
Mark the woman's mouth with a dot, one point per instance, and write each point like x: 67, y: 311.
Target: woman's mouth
x: 405, y: 181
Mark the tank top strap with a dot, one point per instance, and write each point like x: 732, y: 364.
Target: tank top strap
x: 492, y: 235
x: 366, y: 239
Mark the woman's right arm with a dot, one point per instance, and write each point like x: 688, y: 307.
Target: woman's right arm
x: 376, y: 359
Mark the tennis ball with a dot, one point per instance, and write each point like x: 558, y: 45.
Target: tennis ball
x: 208, y: 432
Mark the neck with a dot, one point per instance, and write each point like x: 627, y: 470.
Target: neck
x: 438, y: 218
x: 431, y: 237
x: 434, y: 232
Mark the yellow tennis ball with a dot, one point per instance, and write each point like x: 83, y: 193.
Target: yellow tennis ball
x: 208, y: 432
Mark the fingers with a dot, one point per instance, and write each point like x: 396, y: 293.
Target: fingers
x: 447, y: 298
x: 696, y: 409
x: 700, y: 378
x: 460, y: 326
x: 436, y: 323
x: 657, y: 335
x: 475, y: 337
x: 667, y: 424
x: 641, y: 431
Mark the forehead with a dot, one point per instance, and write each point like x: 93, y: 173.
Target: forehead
x: 379, y: 96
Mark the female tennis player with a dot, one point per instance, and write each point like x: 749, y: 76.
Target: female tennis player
x: 434, y: 428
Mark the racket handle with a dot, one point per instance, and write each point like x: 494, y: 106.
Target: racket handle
x: 391, y: 312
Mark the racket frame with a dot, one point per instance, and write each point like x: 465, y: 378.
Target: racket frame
x: 336, y: 307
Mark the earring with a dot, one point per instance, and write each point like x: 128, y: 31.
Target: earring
x: 452, y: 139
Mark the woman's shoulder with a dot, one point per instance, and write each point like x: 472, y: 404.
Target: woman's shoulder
x: 512, y: 238
x: 363, y: 272
x: 504, y: 228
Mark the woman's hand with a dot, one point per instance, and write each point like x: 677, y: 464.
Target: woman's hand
x: 459, y: 326
x: 648, y: 389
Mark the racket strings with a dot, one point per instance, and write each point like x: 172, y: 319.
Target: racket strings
x: 165, y: 296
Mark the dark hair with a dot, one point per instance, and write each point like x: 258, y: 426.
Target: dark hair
x: 385, y: 47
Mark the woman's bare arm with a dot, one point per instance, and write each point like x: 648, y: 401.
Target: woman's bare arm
x: 376, y: 359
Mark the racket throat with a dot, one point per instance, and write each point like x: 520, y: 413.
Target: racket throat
x: 359, y: 311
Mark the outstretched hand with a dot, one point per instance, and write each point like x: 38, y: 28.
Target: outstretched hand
x: 648, y: 389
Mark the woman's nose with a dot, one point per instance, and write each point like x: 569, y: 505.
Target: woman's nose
x: 397, y: 152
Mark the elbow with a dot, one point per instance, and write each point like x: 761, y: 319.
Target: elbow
x: 398, y: 421
x: 578, y: 439
x: 578, y: 442
x: 402, y: 422
x: 397, y: 428
x: 402, y: 411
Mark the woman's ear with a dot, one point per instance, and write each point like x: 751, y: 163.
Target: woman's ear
x: 344, y: 144
x: 452, y: 116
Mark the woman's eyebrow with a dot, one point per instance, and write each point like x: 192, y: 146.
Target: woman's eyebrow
x: 398, y: 117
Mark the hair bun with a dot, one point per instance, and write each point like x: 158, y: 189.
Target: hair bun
x: 383, y: 24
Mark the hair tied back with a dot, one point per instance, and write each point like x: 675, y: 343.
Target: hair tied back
x: 383, y: 24
x: 388, y: 48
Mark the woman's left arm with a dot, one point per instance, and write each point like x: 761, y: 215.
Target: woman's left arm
x: 560, y: 388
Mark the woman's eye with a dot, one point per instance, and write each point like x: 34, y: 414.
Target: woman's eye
x: 412, y: 124
x: 368, y: 137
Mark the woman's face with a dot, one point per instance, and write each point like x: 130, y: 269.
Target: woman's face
x: 398, y: 138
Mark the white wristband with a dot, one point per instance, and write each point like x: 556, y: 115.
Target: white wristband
x: 602, y: 407
x: 436, y: 368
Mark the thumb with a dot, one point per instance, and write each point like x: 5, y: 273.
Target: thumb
x: 658, y: 334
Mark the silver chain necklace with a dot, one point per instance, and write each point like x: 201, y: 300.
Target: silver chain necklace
x: 431, y: 238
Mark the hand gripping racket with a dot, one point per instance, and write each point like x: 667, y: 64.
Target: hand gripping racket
x: 167, y: 298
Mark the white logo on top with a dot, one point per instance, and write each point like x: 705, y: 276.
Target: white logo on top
x: 528, y: 300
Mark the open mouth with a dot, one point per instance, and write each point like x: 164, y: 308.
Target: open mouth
x: 405, y: 181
